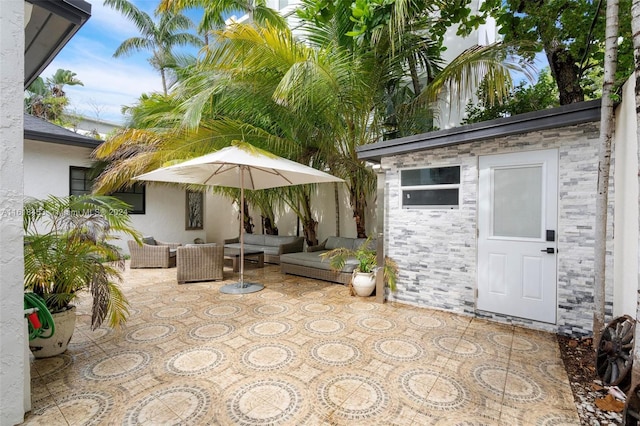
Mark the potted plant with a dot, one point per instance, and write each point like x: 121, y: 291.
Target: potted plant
x: 68, y: 250
x: 364, y: 275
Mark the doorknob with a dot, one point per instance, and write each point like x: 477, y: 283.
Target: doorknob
x: 549, y: 250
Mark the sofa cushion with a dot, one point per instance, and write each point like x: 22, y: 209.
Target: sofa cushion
x: 314, y: 260
x: 257, y: 239
x: 276, y: 240
x: 336, y: 242
x: 148, y: 240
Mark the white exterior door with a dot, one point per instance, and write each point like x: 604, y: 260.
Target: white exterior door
x: 517, y: 234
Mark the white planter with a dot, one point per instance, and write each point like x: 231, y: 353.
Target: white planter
x: 364, y: 283
x: 65, y: 323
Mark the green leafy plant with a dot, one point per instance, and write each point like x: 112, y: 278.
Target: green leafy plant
x: 367, y: 262
x: 68, y: 249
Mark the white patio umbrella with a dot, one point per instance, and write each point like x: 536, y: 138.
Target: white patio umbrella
x: 240, y: 166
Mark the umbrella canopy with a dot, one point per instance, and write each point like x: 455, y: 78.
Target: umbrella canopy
x: 240, y: 166
x: 233, y: 165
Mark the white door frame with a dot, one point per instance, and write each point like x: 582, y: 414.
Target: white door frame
x: 516, y: 276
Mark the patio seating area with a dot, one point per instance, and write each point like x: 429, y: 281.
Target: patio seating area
x: 299, y: 352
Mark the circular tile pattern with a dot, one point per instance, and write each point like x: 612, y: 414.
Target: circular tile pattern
x: 518, y: 386
x: 424, y: 321
x: 363, y: 307
x: 226, y: 310
x: 52, y: 365
x: 270, y: 295
x: 376, y: 323
x: 458, y: 346
x: 187, y: 298
x: 554, y: 371
x: 117, y: 365
x: 514, y: 343
x: 192, y: 401
x: 171, y: 312
x: 523, y: 345
x: 335, y: 352
x: 324, y: 326
x: 92, y: 406
x: 194, y: 361
x: 271, y: 309
x: 313, y: 294
x: 353, y: 396
x: 270, y: 328
x: 287, y: 396
x: 399, y: 349
x: 143, y: 299
x: 316, y: 308
x: 268, y: 357
x: 150, y: 333
x: 418, y: 384
x: 211, y: 331
x: 557, y: 420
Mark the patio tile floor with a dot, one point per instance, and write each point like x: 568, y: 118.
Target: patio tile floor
x: 299, y: 352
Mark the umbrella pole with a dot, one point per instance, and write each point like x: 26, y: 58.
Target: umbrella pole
x: 241, y: 287
x: 241, y: 283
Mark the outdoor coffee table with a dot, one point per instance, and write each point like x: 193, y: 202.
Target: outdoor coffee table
x: 233, y: 254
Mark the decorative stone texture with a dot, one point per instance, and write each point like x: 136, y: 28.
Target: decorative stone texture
x: 436, y: 250
x: 12, y: 337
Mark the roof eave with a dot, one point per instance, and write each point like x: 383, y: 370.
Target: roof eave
x: 566, y: 115
x: 81, y: 141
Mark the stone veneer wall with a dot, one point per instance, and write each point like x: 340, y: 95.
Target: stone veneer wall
x: 436, y: 249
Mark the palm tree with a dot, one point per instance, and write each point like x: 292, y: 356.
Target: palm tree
x: 604, y: 166
x: 214, y: 12
x: 160, y: 38
x: 313, y: 104
x: 47, y: 99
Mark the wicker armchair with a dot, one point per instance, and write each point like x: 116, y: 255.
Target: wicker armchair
x: 201, y: 262
x: 158, y: 255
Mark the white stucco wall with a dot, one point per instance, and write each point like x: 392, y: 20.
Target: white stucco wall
x: 46, y: 167
x: 13, y: 365
x: 46, y: 171
x: 222, y: 216
x: 625, y: 251
x: 165, y: 216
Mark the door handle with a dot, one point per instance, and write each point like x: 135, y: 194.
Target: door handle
x: 549, y: 250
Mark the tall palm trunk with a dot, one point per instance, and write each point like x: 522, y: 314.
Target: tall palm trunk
x: 359, y: 205
x: 604, y: 165
x: 635, y: 30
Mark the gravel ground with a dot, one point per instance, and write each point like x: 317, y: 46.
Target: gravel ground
x: 595, y: 407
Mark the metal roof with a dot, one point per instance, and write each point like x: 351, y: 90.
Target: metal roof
x: 37, y: 129
x: 49, y: 26
x: 566, y: 115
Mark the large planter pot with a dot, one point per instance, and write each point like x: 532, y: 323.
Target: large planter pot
x: 65, y: 323
x: 364, y: 283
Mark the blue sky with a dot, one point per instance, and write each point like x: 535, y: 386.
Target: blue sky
x: 109, y: 83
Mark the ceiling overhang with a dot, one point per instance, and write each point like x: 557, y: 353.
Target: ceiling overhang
x: 49, y: 25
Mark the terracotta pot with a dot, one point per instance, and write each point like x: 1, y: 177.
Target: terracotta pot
x: 364, y: 283
x: 65, y: 323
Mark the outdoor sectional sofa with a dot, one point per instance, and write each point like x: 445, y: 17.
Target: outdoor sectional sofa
x: 273, y: 246
x: 310, y: 263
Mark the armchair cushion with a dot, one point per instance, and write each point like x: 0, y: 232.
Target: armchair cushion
x: 160, y: 255
x: 149, y: 240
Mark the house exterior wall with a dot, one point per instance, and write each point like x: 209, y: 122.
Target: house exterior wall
x: 14, y: 365
x: 46, y: 171
x: 223, y: 216
x: 436, y: 250
x: 46, y: 167
x: 626, y: 231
